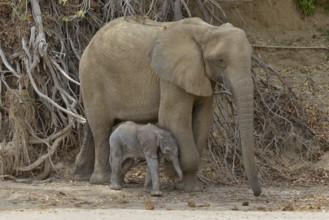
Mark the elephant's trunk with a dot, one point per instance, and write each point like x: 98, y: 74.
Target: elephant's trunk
x: 242, y: 88
x: 178, y: 169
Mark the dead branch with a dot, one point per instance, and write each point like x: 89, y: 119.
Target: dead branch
x: 7, y: 65
x: 178, y: 15
x: 163, y: 11
x: 46, y: 170
x: 213, y: 14
x: 203, y: 10
x: 63, y: 134
x: 186, y: 8
x: 64, y: 73
x: 77, y: 117
x: 51, y: 138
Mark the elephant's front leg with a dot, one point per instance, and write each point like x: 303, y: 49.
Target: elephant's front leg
x: 116, y: 163
x: 175, y: 114
x: 202, y: 121
x: 153, y: 175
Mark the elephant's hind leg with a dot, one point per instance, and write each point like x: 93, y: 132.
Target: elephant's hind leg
x: 84, y: 163
x: 101, y: 130
x: 125, y: 167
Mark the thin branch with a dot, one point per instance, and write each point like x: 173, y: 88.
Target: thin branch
x: 51, y: 138
x: 7, y: 65
x: 26, y: 50
x: 213, y: 15
x: 186, y: 8
x: 216, y: 4
x: 203, y: 11
x: 222, y: 92
x: 266, y: 66
x: 79, y: 118
x: 164, y: 11
x: 150, y: 9
x: 63, y: 72
x: 291, y: 47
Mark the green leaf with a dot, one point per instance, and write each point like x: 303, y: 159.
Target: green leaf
x: 80, y: 14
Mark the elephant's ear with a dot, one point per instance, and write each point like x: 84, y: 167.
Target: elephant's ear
x: 164, y: 148
x: 177, y: 57
x: 148, y: 141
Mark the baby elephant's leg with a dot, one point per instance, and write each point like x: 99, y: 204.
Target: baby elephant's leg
x: 115, y: 177
x: 153, y: 169
x: 115, y: 161
x: 148, y: 182
x: 125, y: 167
x: 115, y: 183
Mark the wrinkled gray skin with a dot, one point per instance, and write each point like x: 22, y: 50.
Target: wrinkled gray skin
x: 130, y: 140
x: 147, y: 71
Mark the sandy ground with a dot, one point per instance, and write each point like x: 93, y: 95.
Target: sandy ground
x: 121, y: 214
x: 69, y: 199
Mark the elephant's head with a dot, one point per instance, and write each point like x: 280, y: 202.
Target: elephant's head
x: 194, y: 55
x: 169, y: 149
x: 154, y: 141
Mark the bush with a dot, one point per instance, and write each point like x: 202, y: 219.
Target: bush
x: 307, y: 6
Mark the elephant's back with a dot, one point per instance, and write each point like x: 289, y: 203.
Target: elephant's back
x: 117, y: 62
x: 121, y: 39
x: 125, y: 130
x: 122, y: 47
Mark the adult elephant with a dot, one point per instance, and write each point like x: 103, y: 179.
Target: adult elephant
x: 141, y: 70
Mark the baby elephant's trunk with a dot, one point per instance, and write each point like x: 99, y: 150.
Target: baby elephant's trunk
x: 177, y: 168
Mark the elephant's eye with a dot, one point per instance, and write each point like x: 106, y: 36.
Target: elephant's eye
x: 221, y: 63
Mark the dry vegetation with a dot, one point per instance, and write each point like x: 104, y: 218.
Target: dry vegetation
x: 41, y: 114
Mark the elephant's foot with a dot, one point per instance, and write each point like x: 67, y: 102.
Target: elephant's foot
x: 83, y: 170
x: 115, y: 186
x: 82, y: 174
x: 190, y: 183
x: 148, y: 189
x: 100, y: 177
x: 156, y: 193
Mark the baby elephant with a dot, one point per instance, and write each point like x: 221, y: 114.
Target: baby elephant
x: 130, y: 140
